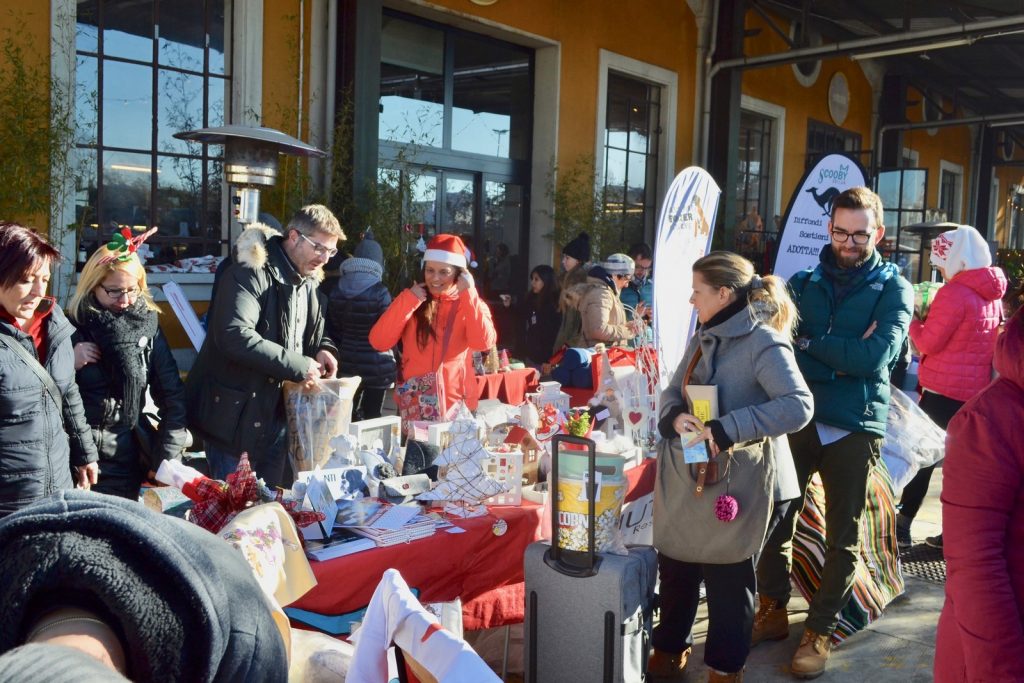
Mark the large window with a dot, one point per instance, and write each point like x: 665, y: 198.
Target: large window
x: 147, y: 69
x: 824, y: 139
x: 631, y: 142
x: 756, y: 231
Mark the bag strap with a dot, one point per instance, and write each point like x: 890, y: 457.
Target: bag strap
x: 36, y: 368
x: 692, y: 365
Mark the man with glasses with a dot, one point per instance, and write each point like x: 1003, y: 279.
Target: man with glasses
x: 854, y: 311
x: 266, y: 325
x: 640, y: 288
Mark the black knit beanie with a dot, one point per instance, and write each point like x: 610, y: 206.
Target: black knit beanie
x: 579, y: 248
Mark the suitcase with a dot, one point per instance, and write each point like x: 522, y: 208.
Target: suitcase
x: 588, y: 614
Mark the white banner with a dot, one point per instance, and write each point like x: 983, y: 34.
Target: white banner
x: 685, y: 226
x: 805, y: 225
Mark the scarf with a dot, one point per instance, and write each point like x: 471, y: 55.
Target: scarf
x: 124, y: 340
x: 844, y: 280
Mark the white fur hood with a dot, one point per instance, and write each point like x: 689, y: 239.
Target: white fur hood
x: 251, y: 248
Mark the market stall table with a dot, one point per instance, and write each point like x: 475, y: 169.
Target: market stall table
x: 479, y: 566
x: 509, y: 387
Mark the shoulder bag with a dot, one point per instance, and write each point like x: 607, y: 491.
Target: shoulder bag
x: 422, y: 398
x: 37, y: 368
x: 686, y: 524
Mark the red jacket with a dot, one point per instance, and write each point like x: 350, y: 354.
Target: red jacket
x: 958, y: 336
x: 472, y: 330
x: 981, y: 630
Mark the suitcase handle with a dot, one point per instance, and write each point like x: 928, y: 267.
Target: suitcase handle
x: 573, y: 562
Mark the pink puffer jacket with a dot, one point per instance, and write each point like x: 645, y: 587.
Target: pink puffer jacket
x: 957, y: 339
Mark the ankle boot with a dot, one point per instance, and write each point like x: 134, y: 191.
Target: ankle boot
x: 771, y: 622
x: 666, y: 666
x: 812, y: 655
x: 719, y: 677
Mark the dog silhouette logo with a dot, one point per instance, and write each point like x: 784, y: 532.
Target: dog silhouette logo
x: 825, y: 199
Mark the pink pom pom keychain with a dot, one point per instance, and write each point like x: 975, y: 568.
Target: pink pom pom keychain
x: 727, y: 508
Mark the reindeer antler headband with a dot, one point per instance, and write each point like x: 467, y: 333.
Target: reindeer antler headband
x: 123, y: 245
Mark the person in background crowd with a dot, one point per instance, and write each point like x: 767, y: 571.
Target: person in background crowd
x: 358, y: 301
x: 267, y: 327
x: 575, y: 263
x: 120, y: 353
x: 743, y: 346
x: 45, y: 442
x: 419, y: 316
x: 980, y: 634
x: 640, y: 288
x: 601, y: 314
x: 956, y: 342
x: 152, y: 597
x: 539, y: 316
x: 854, y: 312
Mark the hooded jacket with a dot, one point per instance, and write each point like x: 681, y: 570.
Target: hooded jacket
x: 981, y: 629
x: 185, y: 603
x: 568, y: 305
x: 233, y: 391
x: 358, y: 301
x: 958, y: 337
x: 472, y: 330
x: 603, y: 317
x: 848, y: 374
x: 113, y: 401
x: 39, y: 444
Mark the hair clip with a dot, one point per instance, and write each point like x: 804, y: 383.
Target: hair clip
x: 123, y: 245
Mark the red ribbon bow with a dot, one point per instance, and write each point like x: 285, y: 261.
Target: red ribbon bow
x: 218, y: 502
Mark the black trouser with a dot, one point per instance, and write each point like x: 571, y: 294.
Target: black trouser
x: 730, y: 590
x: 941, y: 410
x: 367, y: 403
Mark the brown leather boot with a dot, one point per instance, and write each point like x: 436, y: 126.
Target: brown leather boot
x: 666, y: 666
x: 719, y: 677
x: 812, y: 655
x: 771, y: 622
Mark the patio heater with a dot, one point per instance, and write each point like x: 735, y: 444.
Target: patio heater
x: 250, y: 163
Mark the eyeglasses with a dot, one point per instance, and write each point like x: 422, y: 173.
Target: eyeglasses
x: 319, y: 249
x: 118, y: 294
x: 860, y: 238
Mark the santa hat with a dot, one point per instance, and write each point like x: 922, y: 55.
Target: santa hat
x: 446, y: 248
x: 960, y: 249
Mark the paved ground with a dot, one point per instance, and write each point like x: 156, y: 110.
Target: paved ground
x: 898, y: 647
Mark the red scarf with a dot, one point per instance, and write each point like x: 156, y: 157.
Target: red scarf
x: 35, y: 327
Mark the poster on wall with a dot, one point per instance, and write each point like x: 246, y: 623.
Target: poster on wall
x: 805, y: 225
x: 685, y: 226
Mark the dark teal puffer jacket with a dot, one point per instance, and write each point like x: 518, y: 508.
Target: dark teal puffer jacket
x: 848, y: 375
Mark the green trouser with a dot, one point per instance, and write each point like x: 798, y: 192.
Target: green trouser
x: 844, y: 467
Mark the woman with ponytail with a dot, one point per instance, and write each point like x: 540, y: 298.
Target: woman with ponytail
x: 742, y: 346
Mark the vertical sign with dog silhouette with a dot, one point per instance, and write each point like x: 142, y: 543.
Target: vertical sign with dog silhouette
x: 805, y: 225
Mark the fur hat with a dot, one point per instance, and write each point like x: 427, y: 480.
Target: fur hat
x: 578, y: 248
x: 446, y: 248
x: 960, y: 249
x: 370, y: 249
x: 618, y: 264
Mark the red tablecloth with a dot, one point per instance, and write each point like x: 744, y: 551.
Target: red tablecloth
x: 509, y: 387
x: 481, y: 568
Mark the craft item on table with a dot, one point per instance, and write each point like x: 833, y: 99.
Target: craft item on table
x: 377, y: 469
x: 550, y: 422
x: 403, y: 489
x: 462, y: 479
x: 386, y: 430
x: 216, y: 502
x: 345, y: 452
x: 344, y: 483
x: 505, y: 466
x: 559, y: 399
x: 492, y: 411
x: 315, y: 416
x: 578, y: 422
x: 491, y: 363
x: 167, y: 500
x: 503, y: 360
x: 390, y: 524
x: 320, y: 500
x: 478, y: 363
x: 529, y: 417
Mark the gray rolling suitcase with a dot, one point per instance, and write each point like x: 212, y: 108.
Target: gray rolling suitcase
x: 588, y: 615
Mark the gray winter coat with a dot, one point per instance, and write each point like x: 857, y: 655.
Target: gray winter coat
x: 233, y: 392
x: 38, y: 444
x: 761, y: 392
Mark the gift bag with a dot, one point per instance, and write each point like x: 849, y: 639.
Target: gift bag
x: 912, y: 440
x: 315, y: 416
x: 421, y: 398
